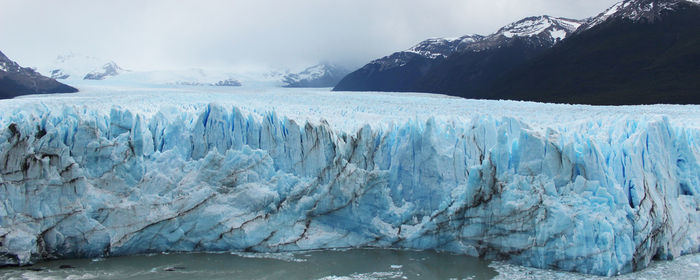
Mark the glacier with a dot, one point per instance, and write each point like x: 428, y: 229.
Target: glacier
x: 600, y: 194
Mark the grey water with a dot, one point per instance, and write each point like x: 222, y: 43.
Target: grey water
x: 327, y: 265
x: 362, y: 264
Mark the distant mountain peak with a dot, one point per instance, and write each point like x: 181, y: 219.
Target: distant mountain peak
x: 551, y: 28
x: 443, y: 47
x: 319, y: 75
x: 107, y: 70
x: 554, y: 27
x: 319, y: 69
x: 76, y: 66
x: 636, y: 10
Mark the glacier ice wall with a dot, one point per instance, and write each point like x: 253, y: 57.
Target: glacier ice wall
x: 603, y: 198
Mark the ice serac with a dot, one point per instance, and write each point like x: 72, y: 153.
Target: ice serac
x: 604, y: 199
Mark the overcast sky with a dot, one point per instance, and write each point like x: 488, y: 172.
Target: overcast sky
x: 160, y: 34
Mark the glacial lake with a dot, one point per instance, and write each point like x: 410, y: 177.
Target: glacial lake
x: 366, y: 264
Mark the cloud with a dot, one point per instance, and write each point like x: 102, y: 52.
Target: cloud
x: 175, y: 34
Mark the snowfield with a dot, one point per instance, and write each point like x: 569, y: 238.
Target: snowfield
x: 118, y: 171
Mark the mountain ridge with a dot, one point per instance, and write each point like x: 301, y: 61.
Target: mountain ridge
x: 650, y: 59
x: 493, y: 66
x: 409, y: 70
x: 73, y: 66
x: 16, y: 80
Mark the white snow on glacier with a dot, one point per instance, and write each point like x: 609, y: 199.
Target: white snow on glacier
x: 117, y: 171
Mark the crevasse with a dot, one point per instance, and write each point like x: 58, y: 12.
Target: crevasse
x: 86, y: 183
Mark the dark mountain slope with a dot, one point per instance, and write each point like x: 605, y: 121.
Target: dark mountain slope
x: 16, y: 80
x: 622, y: 60
x: 380, y: 77
x: 461, y: 66
x: 470, y: 74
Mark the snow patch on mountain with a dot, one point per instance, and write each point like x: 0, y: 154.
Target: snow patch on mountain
x: 443, y: 47
x: 8, y: 65
x: 543, y: 30
x: 636, y: 10
x: 559, y: 28
x: 558, y: 34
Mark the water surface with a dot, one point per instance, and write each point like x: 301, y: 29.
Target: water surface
x: 363, y: 264
x: 330, y: 264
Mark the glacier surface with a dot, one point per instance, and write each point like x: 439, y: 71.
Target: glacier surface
x: 599, y: 190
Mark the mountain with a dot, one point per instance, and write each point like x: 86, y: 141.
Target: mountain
x: 16, y: 80
x: 108, y: 70
x: 648, y: 10
x: 230, y: 82
x: 461, y: 66
x: 76, y: 67
x: 637, y: 52
x: 320, y: 75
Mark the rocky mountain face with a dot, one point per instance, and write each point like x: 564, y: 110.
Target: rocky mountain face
x: 461, y: 64
x: 636, y: 52
x: 16, y: 80
x: 638, y: 10
x: 320, y: 75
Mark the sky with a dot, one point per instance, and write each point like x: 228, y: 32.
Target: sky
x: 162, y: 34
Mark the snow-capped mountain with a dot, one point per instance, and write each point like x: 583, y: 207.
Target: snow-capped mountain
x: 87, y: 69
x: 443, y: 47
x: 223, y: 83
x: 108, y: 70
x: 112, y: 74
x: 636, y: 10
x: 230, y: 82
x: 636, y: 52
x: 650, y: 44
x: 541, y: 30
x: 78, y: 67
x: 16, y: 80
x: 408, y: 70
x: 319, y: 75
x: 547, y: 27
